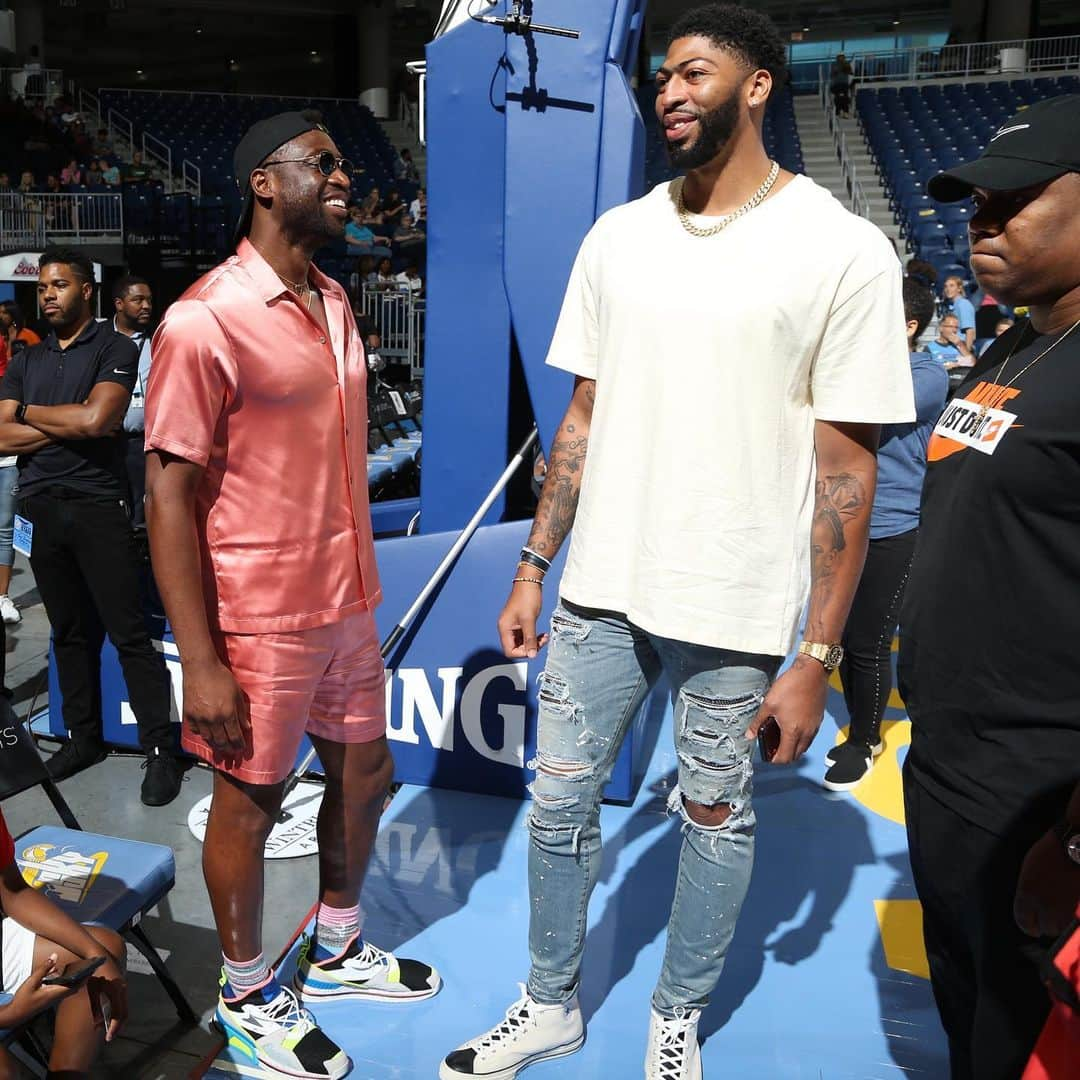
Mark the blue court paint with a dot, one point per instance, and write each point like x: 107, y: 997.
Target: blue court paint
x: 806, y: 993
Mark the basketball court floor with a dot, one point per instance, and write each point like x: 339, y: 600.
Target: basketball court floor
x: 826, y: 979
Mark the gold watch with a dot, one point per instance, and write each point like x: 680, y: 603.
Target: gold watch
x: 829, y: 656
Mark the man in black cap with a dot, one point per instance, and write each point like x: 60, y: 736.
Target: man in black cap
x: 990, y: 622
x: 256, y: 431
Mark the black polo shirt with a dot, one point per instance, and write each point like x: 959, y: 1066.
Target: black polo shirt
x: 45, y: 374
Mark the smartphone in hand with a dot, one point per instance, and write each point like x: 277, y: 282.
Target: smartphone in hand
x: 768, y: 739
x: 75, y: 973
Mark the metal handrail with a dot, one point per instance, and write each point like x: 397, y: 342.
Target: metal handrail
x: 1017, y: 57
x: 191, y: 176
x: 32, y: 85
x: 160, y: 152
x: 857, y: 199
x: 32, y: 220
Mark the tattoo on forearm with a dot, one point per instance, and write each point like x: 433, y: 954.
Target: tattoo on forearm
x: 559, y: 498
x: 839, y: 500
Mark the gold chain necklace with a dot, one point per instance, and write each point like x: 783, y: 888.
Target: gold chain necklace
x: 726, y: 219
x: 1001, y: 395
x: 301, y: 288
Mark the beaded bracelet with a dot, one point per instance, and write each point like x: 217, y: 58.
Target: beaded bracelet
x: 530, y: 580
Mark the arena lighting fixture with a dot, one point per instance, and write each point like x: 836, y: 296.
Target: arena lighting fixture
x: 519, y: 22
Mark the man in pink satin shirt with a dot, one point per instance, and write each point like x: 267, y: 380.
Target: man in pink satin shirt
x: 256, y: 432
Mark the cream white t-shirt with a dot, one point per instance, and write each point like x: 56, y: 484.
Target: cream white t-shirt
x: 712, y: 359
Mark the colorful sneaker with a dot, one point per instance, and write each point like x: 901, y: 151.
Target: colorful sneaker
x: 530, y: 1032
x: 361, y: 971
x: 271, y: 1030
x: 673, y: 1052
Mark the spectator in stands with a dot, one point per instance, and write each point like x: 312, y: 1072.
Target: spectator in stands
x: 360, y: 240
x: 949, y: 348
x: 407, y: 235
x: 405, y: 168
x: 5, y: 183
x: 137, y: 171
x: 27, y: 183
x: 418, y: 207
x: 272, y: 609
x: 103, y: 147
x: 93, y: 174
x: 133, y: 302
x: 13, y: 326
x: 840, y: 84
x: 110, y: 174
x: 959, y: 305
x: 716, y: 554
x: 409, y: 280
x: 370, y: 208
x: 987, y: 664
x: 41, y: 939
x: 866, y: 670
x: 72, y: 491
x: 1003, y: 325
x: 392, y: 208
x: 72, y: 174
x: 383, y: 277
x: 52, y: 184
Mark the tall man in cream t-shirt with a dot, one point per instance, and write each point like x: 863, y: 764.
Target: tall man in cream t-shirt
x: 686, y: 465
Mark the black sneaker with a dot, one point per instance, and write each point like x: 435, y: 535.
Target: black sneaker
x: 161, y: 784
x: 851, y: 762
x: 71, y: 759
x: 876, y: 749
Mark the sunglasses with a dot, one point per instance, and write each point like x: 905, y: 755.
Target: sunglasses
x: 325, y: 162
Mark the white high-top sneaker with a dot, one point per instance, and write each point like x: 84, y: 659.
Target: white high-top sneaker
x: 530, y: 1032
x: 673, y: 1052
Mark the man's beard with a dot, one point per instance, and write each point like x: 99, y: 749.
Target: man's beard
x: 714, y: 133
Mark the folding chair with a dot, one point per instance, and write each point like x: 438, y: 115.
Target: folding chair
x: 96, y: 879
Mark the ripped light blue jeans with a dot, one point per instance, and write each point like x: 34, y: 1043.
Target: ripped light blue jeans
x: 599, y: 669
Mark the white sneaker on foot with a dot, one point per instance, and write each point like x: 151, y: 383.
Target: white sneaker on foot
x: 673, y: 1052
x: 530, y: 1032
x: 8, y: 611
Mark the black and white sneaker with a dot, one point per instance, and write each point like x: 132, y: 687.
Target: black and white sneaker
x: 530, y: 1032
x: 851, y: 762
x: 673, y: 1052
x: 876, y: 749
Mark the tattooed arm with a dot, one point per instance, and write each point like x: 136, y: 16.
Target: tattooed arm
x: 846, y: 475
x: 553, y: 521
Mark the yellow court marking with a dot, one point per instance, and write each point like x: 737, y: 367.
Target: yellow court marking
x: 900, y: 923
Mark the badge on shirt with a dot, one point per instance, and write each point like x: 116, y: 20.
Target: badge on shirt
x: 974, y: 425
x: 23, y: 537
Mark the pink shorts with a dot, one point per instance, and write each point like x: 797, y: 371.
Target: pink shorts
x: 328, y: 681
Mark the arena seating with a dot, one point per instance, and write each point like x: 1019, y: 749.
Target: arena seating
x: 394, y: 442
x: 781, y: 136
x: 204, y: 129
x: 916, y: 131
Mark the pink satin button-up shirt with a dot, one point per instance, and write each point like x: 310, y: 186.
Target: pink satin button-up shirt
x: 245, y: 383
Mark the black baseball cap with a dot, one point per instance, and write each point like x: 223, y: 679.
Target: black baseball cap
x: 1038, y: 144
x: 260, y: 141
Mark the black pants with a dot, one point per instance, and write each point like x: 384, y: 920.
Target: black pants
x: 135, y: 464
x: 866, y: 670
x: 85, y: 563
x: 984, y: 971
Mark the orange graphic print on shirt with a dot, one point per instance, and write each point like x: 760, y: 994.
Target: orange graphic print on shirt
x: 963, y: 426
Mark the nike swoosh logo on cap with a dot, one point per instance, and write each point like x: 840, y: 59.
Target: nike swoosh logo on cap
x: 1007, y: 130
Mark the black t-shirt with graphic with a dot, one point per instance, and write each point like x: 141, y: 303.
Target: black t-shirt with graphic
x: 990, y: 630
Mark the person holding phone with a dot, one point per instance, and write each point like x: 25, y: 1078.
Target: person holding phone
x: 700, y: 568
x: 49, y: 960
